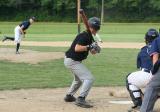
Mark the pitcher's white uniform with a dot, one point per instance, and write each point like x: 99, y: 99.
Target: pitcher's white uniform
x: 19, y: 32
x: 18, y: 35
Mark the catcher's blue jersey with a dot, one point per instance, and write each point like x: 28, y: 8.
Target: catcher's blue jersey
x: 143, y: 59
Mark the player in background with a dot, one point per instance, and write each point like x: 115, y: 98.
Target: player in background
x: 20, y: 32
x: 139, y: 79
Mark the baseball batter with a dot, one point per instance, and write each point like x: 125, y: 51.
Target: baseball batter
x: 19, y: 32
x: 139, y: 79
x: 78, y: 52
x: 153, y: 88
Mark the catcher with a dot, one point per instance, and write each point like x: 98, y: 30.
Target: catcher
x: 79, y: 50
x: 140, y: 79
x: 20, y: 32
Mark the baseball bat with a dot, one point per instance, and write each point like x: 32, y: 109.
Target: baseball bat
x: 78, y: 15
x: 84, y: 18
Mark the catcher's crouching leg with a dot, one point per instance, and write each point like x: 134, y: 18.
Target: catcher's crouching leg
x: 135, y: 94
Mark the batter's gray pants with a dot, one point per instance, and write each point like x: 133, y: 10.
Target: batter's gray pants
x: 82, y: 77
x: 151, y: 93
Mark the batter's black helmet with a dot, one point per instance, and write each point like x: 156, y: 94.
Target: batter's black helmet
x: 151, y: 35
x: 94, y: 22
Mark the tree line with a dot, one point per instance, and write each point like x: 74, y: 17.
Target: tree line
x: 66, y: 10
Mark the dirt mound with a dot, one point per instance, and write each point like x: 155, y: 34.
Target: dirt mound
x: 28, y: 56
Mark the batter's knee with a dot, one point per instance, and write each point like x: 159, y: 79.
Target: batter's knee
x: 77, y: 84
x: 90, y: 78
x: 88, y: 82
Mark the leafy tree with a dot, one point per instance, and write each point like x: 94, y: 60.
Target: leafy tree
x: 116, y: 10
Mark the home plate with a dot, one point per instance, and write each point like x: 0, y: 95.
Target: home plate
x: 121, y: 102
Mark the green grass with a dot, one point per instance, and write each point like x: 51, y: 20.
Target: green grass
x: 110, y: 67
x: 112, y: 32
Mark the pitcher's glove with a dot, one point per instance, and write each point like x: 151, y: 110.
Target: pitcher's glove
x: 94, y: 46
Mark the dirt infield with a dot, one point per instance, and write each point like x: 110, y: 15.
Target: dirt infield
x: 51, y: 100
x: 68, y: 43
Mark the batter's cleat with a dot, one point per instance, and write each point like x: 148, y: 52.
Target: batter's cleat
x: 80, y: 101
x: 69, y: 98
x: 134, y: 109
x: 4, y: 39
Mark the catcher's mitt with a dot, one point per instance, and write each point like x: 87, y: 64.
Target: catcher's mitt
x: 95, y: 46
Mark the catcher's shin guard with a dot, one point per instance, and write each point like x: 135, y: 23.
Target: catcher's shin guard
x: 136, y: 100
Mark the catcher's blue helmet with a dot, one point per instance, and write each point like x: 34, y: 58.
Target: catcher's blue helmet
x: 151, y: 35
